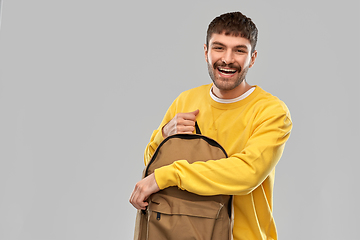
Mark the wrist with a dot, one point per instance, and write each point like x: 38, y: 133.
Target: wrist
x: 164, y: 131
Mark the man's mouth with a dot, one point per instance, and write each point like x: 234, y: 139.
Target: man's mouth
x: 227, y: 71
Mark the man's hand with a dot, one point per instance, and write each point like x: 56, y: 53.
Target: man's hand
x: 143, y: 189
x: 181, y: 123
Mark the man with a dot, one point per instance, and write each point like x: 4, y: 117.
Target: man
x: 251, y: 124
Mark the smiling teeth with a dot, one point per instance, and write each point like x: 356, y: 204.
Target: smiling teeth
x: 227, y: 70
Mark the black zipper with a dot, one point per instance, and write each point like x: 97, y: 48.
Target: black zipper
x: 158, y: 216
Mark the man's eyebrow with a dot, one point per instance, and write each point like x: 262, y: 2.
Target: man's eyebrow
x: 218, y: 43
x: 221, y: 44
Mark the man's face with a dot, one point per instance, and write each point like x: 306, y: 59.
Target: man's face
x: 228, y: 59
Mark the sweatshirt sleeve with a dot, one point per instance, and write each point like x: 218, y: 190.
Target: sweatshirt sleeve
x: 240, y: 173
x: 155, y: 140
x: 157, y: 137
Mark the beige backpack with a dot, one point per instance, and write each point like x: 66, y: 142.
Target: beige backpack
x: 173, y: 213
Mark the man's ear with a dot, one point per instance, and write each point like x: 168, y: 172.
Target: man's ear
x: 253, y: 57
x: 206, y: 52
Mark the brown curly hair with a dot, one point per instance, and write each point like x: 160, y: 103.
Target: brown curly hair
x: 235, y: 24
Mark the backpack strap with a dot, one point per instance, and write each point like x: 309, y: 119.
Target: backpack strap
x: 197, y: 128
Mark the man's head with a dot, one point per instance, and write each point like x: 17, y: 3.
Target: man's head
x: 230, y: 52
x: 234, y: 24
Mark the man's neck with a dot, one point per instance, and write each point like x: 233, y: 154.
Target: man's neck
x: 233, y: 93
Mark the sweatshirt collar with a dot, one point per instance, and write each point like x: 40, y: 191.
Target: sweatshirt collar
x: 227, y: 101
x: 233, y: 103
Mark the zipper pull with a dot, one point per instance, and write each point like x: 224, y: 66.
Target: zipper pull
x: 158, y: 216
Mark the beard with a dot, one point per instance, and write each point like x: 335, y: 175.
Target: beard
x: 223, y: 83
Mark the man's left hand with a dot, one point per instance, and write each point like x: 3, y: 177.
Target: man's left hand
x: 143, y: 189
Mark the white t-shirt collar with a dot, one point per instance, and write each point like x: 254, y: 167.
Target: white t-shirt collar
x: 241, y: 97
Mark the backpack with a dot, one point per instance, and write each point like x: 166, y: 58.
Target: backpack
x: 173, y: 213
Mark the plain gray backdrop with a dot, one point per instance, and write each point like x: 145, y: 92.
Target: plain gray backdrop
x: 83, y: 84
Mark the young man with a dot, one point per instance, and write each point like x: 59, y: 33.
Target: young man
x: 251, y: 124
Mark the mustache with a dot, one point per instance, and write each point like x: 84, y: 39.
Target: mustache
x: 231, y: 65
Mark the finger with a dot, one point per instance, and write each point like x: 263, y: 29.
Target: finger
x: 143, y: 205
x: 191, y: 115
x: 186, y: 116
x: 133, y: 197
x: 196, y: 112
x: 185, y: 129
x: 143, y: 189
x: 138, y: 200
x: 137, y: 197
x: 185, y: 122
x: 174, y: 125
x: 132, y: 201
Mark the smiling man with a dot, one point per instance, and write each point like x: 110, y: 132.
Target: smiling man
x: 229, y: 58
x: 251, y: 124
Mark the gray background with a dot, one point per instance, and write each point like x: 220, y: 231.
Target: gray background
x: 83, y: 84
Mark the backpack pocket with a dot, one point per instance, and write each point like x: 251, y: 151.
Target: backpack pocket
x: 170, y: 219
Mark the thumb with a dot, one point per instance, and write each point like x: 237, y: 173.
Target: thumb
x: 196, y: 112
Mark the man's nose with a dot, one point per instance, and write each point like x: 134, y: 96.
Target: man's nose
x: 228, y: 57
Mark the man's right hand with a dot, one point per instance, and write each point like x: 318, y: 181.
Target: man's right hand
x: 181, y: 123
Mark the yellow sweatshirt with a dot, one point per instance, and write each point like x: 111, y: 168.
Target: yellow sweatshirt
x: 253, y: 132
